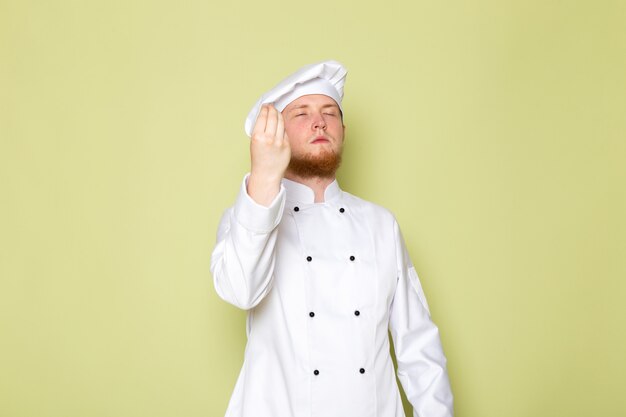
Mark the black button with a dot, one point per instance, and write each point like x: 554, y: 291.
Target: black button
x: 341, y: 210
x: 296, y: 208
x: 362, y: 370
x: 316, y: 372
x: 357, y: 313
x: 308, y: 258
x: 352, y: 258
x: 312, y: 314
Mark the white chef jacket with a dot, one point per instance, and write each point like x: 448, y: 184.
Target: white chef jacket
x: 323, y: 283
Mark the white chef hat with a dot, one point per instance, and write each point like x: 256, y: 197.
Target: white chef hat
x: 327, y: 77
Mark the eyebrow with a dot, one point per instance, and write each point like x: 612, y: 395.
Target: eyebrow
x: 303, y: 106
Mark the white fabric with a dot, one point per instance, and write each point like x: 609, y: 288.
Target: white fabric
x: 315, y: 86
x: 260, y: 264
x: 327, y: 77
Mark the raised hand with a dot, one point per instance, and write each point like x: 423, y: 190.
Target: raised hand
x: 269, y: 155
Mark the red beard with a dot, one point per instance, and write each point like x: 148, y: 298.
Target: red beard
x: 324, y: 165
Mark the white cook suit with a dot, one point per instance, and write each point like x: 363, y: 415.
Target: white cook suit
x: 323, y: 283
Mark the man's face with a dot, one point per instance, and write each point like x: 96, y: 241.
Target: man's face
x: 315, y: 129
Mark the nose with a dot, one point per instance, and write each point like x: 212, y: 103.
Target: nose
x: 319, y: 122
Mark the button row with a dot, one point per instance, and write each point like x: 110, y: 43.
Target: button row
x: 316, y: 372
x: 352, y: 258
x: 297, y: 209
x: 356, y: 313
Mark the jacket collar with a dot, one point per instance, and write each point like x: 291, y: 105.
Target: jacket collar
x: 300, y: 193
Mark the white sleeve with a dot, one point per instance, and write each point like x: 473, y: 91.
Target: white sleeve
x: 421, y: 362
x: 242, y: 262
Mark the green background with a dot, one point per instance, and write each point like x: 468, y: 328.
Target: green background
x: 494, y: 130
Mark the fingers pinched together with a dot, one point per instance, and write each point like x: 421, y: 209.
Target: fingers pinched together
x: 269, y: 153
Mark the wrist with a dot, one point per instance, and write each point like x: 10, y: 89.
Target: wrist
x: 263, y: 189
